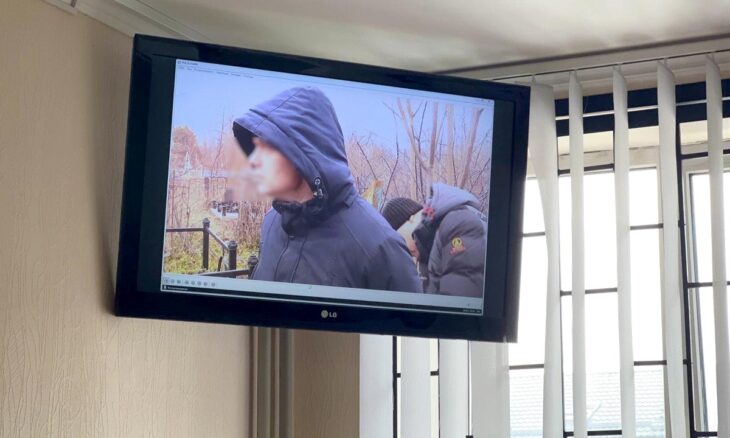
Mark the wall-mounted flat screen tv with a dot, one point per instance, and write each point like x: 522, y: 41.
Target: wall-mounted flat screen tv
x: 277, y: 190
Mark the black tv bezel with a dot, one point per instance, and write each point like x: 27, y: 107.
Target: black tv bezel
x: 144, y: 125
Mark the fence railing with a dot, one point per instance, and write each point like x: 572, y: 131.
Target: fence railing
x: 229, y: 249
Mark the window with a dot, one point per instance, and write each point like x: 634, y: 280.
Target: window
x: 603, y: 390
x: 602, y: 339
x: 527, y: 356
x: 434, y: 364
x: 700, y: 294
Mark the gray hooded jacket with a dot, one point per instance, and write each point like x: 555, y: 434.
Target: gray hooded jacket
x: 453, y: 233
x: 337, y: 238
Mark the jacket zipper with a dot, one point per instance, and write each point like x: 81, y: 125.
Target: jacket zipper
x: 278, y: 261
x: 299, y: 258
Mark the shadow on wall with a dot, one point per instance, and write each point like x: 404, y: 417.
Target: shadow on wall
x: 109, y: 95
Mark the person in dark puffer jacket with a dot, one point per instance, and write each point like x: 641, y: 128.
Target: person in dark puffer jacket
x: 448, y: 237
x: 320, y: 231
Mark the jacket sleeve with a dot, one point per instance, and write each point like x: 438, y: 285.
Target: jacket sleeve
x: 456, y: 264
x: 393, y: 268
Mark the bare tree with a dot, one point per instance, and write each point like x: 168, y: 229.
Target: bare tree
x: 407, y: 118
x: 365, y: 156
x: 476, y: 114
x: 423, y: 167
x: 460, y: 162
x: 450, y: 142
x: 391, y: 170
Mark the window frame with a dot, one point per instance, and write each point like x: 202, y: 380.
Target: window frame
x: 693, y: 164
x: 396, y: 380
x: 640, y: 158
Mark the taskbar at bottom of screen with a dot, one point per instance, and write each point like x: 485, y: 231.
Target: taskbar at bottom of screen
x: 317, y: 300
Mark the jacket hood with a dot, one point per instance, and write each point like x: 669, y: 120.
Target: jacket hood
x: 302, y: 124
x: 445, y: 198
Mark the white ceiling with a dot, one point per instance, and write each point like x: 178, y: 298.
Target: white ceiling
x: 434, y: 35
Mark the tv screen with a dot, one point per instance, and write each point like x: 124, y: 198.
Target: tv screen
x: 277, y: 190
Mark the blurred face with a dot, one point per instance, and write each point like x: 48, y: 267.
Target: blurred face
x: 273, y: 175
x: 406, y: 230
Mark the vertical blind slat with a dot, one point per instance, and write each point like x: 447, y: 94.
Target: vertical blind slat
x: 719, y: 276
x: 623, y: 254
x: 275, y: 381
x: 376, y: 386
x: 416, y: 388
x: 671, y: 266
x: 286, y: 402
x: 264, y: 382
x: 543, y: 149
x: 453, y: 388
x: 490, y: 390
x: 575, y: 110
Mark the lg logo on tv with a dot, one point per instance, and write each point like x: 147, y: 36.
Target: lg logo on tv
x: 326, y: 314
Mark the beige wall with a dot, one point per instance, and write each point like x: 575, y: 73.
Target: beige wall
x: 326, y: 385
x: 67, y: 366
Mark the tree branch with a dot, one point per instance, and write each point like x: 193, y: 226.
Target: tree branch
x: 407, y: 120
x: 470, y: 144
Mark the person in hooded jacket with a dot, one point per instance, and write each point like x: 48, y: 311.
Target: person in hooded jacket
x: 447, y: 236
x: 319, y: 231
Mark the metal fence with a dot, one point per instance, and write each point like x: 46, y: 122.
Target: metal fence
x: 227, y: 265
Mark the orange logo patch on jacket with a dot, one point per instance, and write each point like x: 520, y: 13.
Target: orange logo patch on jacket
x: 457, y: 246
